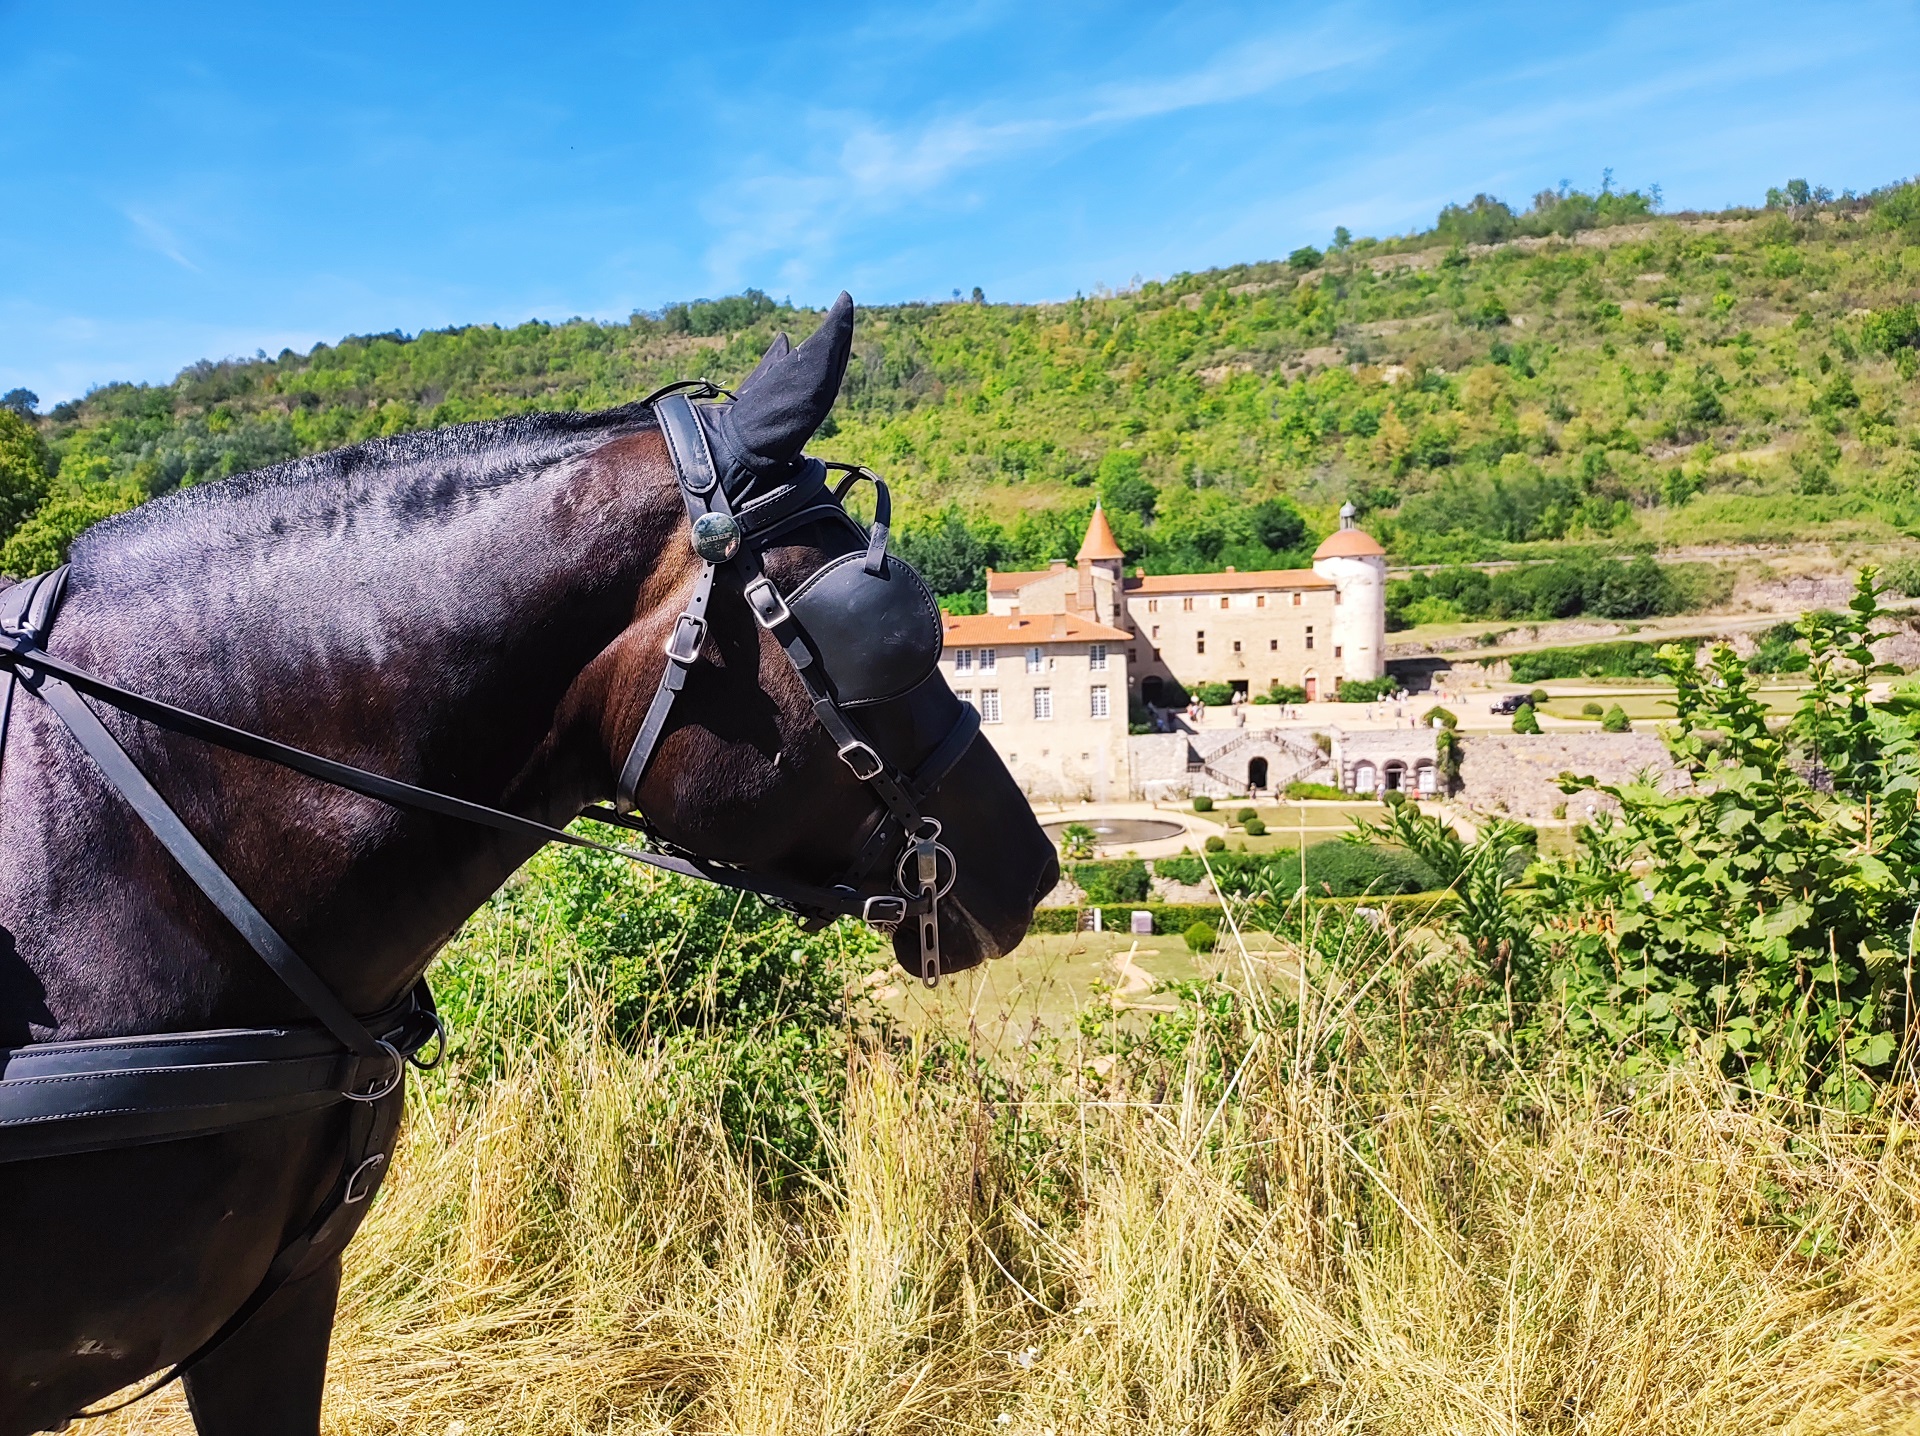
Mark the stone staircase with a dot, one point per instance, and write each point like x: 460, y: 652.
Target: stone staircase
x: 1291, y: 757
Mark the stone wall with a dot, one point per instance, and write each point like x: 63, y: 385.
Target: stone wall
x: 1520, y: 770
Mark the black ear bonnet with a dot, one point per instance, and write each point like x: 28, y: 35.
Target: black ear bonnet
x: 870, y: 619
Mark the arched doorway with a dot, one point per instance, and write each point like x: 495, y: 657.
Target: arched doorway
x: 1256, y: 772
x: 1395, y: 776
x: 1312, y: 684
x: 1150, y: 690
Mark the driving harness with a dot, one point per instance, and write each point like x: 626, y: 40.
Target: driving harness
x: 862, y: 631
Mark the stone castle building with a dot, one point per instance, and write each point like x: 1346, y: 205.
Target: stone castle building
x: 1063, y: 654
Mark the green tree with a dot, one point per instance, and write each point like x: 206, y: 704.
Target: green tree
x: 1615, y: 720
x: 1524, y: 720
x: 23, y: 470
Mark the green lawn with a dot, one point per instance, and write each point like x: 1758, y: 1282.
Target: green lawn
x: 1051, y: 978
x: 1651, y: 704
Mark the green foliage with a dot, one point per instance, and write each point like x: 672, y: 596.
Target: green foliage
x: 1615, y: 720
x: 1525, y: 720
x: 1214, y: 695
x: 716, y: 975
x: 1593, y: 660
x: 1779, y: 651
x: 1122, y: 881
x: 1202, y: 803
x: 1241, y: 815
x: 1438, y: 717
x: 1331, y: 869
x: 1184, y: 869
x: 1076, y: 842
x: 1167, y: 917
x: 1289, y: 693
x: 1367, y: 690
x: 1254, y: 828
x: 1763, y: 913
x: 1314, y: 790
x: 1215, y: 844
x: 1201, y: 937
x: 42, y: 541
x: 1590, y: 709
x: 1487, y: 911
x: 23, y: 473
x: 1539, y: 697
x: 1593, y: 584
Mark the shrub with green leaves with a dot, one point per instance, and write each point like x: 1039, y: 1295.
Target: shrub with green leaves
x: 1244, y: 815
x: 1255, y: 828
x: 1590, y: 709
x: 1122, y: 881
x: 1326, y: 791
x: 1216, y: 844
x: 1524, y: 720
x: 1616, y: 720
x: 1202, y: 803
x: 1201, y: 937
x: 1186, y: 869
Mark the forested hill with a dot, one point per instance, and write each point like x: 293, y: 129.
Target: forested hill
x: 1582, y: 370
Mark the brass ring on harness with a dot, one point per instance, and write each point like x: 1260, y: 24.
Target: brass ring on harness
x: 392, y: 1083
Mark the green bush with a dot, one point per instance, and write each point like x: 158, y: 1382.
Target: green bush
x: 1616, y: 720
x: 1244, y: 815
x: 1201, y: 937
x: 1184, y: 869
x: 1214, y: 695
x: 1593, y: 660
x: 1255, y: 828
x: 1591, y: 709
x: 1524, y: 720
x: 1282, y: 693
x: 1122, y: 881
x: 1314, y: 790
x: 1439, y: 716
x: 1539, y: 697
x: 1167, y: 917
x: 1202, y: 803
x: 1367, y: 690
x: 1077, y: 842
x: 1216, y: 844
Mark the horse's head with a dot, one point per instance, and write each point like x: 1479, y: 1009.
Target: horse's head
x: 749, y: 769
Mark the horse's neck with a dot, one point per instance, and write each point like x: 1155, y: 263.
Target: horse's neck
x: 438, y: 650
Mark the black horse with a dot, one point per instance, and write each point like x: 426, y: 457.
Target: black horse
x: 481, y: 611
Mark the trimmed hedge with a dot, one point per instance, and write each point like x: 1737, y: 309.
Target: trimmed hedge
x: 1168, y: 917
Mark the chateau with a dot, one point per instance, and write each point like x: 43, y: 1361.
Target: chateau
x: 1063, y: 654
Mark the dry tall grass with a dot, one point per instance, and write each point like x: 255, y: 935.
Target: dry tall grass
x: 1401, y: 1248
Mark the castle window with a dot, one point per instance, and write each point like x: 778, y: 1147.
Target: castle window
x: 1259, y: 600
x: 1339, y: 597
x: 1097, y: 701
x: 1336, y: 650
x: 1225, y: 600
x: 1200, y: 641
x: 1097, y: 657
x: 1153, y: 605
x: 1036, y: 660
x: 1187, y: 604
x: 1133, y: 655
x: 1273, y: 645
x: 1309, y: 635
x: 988, y: 658
x: 965, y: 695
x: 963, y: 660
x: 1043, y: 703
x: 1236, y: 645
x: 1296, y: 600
x: 990, y: 706
x: 1156, y: 632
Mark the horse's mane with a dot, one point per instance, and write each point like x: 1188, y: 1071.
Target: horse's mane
x: 411, y: 471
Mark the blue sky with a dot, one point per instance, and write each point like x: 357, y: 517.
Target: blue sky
x: 189, y: 181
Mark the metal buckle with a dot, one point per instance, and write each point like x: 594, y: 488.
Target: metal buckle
x: 767, y: 604
x: 885, y: 910
x: 391, y: 1084
x: 689, y: 636
x: 357, y: 1189
x: 857, y: 753
x: 439, y: 1039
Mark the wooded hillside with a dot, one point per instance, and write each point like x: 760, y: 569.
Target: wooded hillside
x: 1581, y: 370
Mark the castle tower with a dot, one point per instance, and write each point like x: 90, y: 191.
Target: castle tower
x: 1358, y: 568
x: 1100, y: 550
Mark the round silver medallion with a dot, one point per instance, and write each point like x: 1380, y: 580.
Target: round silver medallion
x: 716, y: 537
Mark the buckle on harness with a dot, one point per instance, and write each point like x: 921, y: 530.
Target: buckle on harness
x: 768, y: 606
x: 864, y: 762
x: 885, y: 910
x: 365, y: 1178
x: 689, y: 636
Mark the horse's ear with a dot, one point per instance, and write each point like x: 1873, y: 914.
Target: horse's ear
x: 776, y: 351
x: 787, y: 397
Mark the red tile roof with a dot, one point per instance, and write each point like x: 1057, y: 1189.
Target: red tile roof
x: 1099, y: 542
x: 988, y: 629
x: 1348, y: 543
x: 1280, y: 578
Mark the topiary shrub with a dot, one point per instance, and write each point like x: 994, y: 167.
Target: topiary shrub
x: 1216, y: 844
x: 1202, y: 803
x: 1538, y: 698
x: 1591, y: 709
x: 1616, y: 720
x: 1524, y: 721
x: 1244, y: 816
x: 1201, y: 937
x: 1255, y: 828
x: 1438, y: 717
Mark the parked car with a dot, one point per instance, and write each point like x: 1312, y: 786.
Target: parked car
x: 1509, y: 704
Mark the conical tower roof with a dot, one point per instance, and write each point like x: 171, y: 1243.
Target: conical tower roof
x: 1099, y: 542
